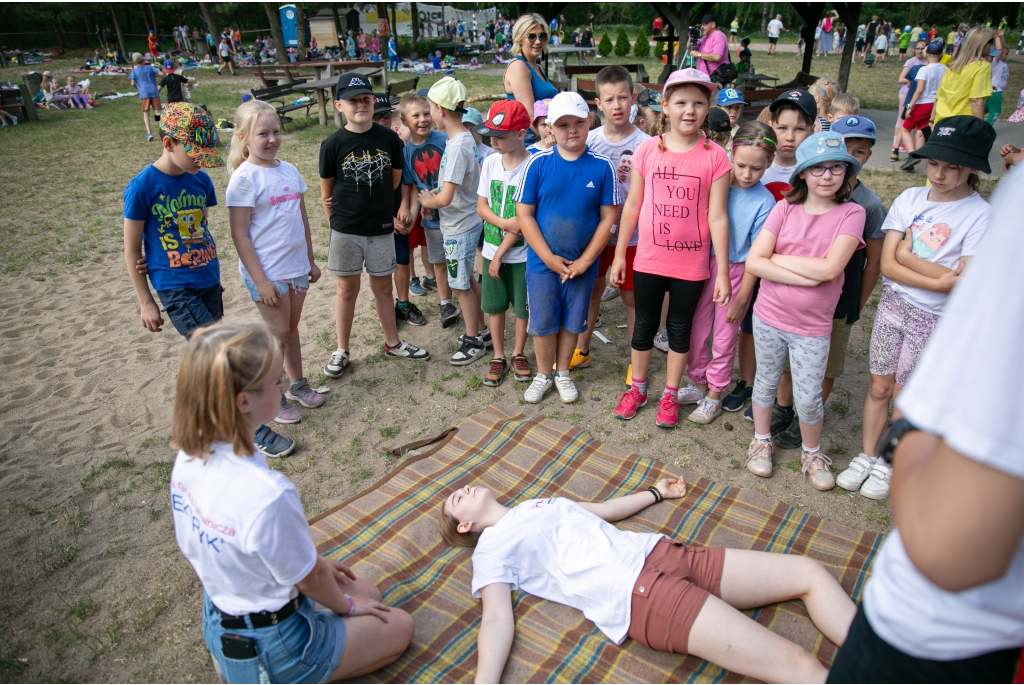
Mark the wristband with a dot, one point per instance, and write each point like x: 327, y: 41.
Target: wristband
x: 658, y: 497
x: 351, y: 606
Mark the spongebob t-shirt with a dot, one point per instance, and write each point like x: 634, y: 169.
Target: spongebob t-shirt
x: 180, y: 251
x: 943, y: 232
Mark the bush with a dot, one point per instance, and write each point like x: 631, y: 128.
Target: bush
x: 604, y: 48
x: 642, y: 47
x: 622, y: 46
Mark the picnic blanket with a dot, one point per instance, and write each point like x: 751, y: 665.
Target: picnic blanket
x: 389, y: 534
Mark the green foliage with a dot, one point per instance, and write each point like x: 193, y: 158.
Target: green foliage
x: 642, y: 47
x: 604, y: 48
x: 622, y: 46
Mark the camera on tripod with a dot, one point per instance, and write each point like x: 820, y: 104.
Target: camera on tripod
x: 695, y: 35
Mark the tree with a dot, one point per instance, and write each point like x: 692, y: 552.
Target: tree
x: 622, y: 46
x: 204, y: 10
x: 642, y: 47
x: 300, y: 31
x: 604, y: 48
x: 117, y: 27
x: 275, y: 29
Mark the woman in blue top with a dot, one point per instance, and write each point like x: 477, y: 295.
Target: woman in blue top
x: 524, y: 80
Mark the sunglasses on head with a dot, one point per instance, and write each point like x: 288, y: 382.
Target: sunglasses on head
x: 533, y: 37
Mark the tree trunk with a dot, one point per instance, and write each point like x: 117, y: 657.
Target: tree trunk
x: 117, y: 27
x: 394, y: 17
x: 764, y: 18
x: 382, y: 13
x: 415, y: 22
x: 275, y: 28
x: 59, y: 30
x: 337, y: 22
x: 145, y: 17
x: 211, y: 28
x: 300, y: 31
x: 849, y: 12
x: 156, y: 27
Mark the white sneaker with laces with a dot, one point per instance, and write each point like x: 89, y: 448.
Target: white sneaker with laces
x: 706, y: 412
x: 689, y: 394
x: 567, y: 391
x: 538, y: 388
x: 661, y: 340
x: 877, y: 484
x: 856, y: 473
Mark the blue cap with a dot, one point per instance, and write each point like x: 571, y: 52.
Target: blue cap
x: 827, y: 146
x: 730, y: 96
x: 855, y: 127
x: 168, y: 64
x: 992, y: 52
x: 473, y: 116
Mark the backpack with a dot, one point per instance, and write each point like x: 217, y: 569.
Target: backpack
x: 726, y: 72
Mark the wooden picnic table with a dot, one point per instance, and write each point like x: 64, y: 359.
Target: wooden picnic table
x: 756, y: 78
x: 320, y: 87
x: 566, y: 50
x: 325, y: 69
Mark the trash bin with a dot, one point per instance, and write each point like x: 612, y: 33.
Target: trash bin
x: 33, y: 80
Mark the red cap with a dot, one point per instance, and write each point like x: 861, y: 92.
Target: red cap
x: 504, y: 116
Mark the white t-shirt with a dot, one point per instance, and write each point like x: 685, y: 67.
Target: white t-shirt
x: 499, y: 187
x: 943, y: 233
x: 621, y: 156
x: 275, y: 224
x: 929, y: 77
x: 906, y: 609
x: 1000, y: 75
x: 881, y: 43
x: 557, y: 550
x: 777, y: 174
x: 774, y: 26
x: 459, y: 166
x: 241, y: 526
x: 483, y: 152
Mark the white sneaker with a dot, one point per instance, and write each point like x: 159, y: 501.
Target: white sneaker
x: 567, y: 391
x: 661, y: 340
x: 689, y: 394
x: 877, y: 484
x: 706, y: 412
x: 854, y: 476
x: 538, y: 388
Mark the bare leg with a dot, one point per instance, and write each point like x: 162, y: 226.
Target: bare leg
x: 876, y: 412
x: 283, y: 322
x: 675, y: 367
x: 145, y: 118
x: 811, y: 435
x: 345, y: 309
x: 497, y: 324
x: 380, y: 286
x: 583, y: 341
x: 784, y: 395
x: 748, y: 360
x: 444, y: 290
x: 641, y: 363
x: 428, y: 268
x: 566, y: 345
x: 371, y: 644
x: 470, y: 304
x: 826, y: 388
x: 402, y: 282
x: 545, y: 346
x: 520, y: 340
x: 629, y: 303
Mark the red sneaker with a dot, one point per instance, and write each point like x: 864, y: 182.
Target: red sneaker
x: 668, y: 412
x: 629, y: 402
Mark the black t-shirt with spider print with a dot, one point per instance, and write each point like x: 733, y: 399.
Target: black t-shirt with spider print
x: 361, y: 164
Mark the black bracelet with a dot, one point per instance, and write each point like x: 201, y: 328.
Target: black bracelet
x: 657, y: 494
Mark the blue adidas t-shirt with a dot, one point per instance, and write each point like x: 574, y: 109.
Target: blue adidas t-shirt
x: 180, y: 251
x: 568, y: 197
x: 423, y: 168
x: 144, y: 76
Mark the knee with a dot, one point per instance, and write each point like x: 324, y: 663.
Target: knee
x: 365, y: 588
x: 880, y: 389
x: 401, y: 627
x: 810, y: 409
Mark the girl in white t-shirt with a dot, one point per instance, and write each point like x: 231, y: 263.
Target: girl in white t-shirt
x: 683, y: 600
x: 932, y: 232
x: 273, y: 610
x: 271, y: 233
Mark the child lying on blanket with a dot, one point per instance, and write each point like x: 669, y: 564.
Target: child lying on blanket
x: 684, y: 600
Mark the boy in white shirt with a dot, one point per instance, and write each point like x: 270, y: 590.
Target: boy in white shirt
x: 1000, y: 77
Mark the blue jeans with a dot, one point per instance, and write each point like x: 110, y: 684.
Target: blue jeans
x: 192, y: 308
x: 304, y: 648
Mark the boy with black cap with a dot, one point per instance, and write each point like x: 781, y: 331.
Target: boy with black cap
x: 360, y: 168
x: 504, y: 250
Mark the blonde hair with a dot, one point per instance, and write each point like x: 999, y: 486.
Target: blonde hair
x: 220, y: 362
x: 522, y: 27
x: 246, y: 116
x: 765, y: 117
x: 824, y: 91
x: 663, y: 120
x: 973, y: 48
x: 409, y: 100
x: 449, y: 526
x: 847, y: 103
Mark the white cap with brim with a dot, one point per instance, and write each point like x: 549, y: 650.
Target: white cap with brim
x: 567, y: 104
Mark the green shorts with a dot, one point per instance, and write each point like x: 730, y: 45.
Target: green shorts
x: 510, y: 288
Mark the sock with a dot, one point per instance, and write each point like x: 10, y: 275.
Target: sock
x: 403, y: 304
x: 563, y: 374
x: 763, y: 438
x: 670, y: 391
x: 712, y: 401
x: 444, y: 302
x: 640, y: 385
x: 541, y: 376
x: 812, y: 450
x: 157, y: 117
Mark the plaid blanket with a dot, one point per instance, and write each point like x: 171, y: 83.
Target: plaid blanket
x: 389, y: 535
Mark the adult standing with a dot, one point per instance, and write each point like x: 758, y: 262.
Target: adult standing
x: 524, y: 80
x: 713, y: 47
x: 872, y: 33
x: 915, y: 33
x: 774, y: 28
x: 967, y: 82
x: 826, y: 34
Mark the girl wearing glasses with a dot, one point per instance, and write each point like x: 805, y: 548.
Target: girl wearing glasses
x: 524, y: 79
x: 800, y: 256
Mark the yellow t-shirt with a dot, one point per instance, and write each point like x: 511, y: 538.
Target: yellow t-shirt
x: 957, y: 90
x: 945, y: 60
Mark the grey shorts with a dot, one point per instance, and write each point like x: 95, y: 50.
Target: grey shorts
x: 347, y: 254
x: 435, y: 245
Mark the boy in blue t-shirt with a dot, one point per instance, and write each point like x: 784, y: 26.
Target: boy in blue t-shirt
x: 143, y: 78
x: 566, y: 205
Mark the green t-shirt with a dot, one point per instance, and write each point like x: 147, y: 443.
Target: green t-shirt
x: 905, y: 41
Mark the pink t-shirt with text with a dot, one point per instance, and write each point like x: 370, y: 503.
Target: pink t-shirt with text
x: 795, y: 308
x: 675, y: 239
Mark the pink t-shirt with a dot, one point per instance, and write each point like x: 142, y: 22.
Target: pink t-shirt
x: 796, y: 308
x: 675, y: 239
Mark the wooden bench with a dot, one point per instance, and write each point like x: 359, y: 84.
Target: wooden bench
x: 761, y: 98
x: 283, y: 98
x: 272, y: 75
x: 400, y: 87
x: 586, y: 87
x: 19, y: 103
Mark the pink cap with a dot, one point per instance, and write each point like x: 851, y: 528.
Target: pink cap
x: 688, y: 75
x: 540, y: 108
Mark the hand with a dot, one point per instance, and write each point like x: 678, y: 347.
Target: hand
x: 342, y: 573
x: 267, y: 292
x: 577, y: 268
x: 141, y: 267
x: 695, y: 54
x: 328, y: 203
x: 723, y: 289
x: 426, y: 196
x: 151, y: 319
x: 1007, y: 150
x: 494, y: 268
x: 405, y: 216
x: 617, y: 272
x: 948, y: 280
x: 511, y: 226
x: 314, y: 272
x: 672, y: 488
x: 736, y: 311
x: 367, y: 607
x: 425, y: 213
x: 904, y: 251
x: 559, y: 265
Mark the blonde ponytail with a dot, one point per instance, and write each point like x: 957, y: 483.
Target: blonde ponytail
x: 246, y: 116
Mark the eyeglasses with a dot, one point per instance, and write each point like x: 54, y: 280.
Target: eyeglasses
x: 534, y: 37
x: 382, y: 115
x: 838, y: 169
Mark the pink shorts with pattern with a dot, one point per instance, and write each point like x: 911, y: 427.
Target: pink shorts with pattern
x: 899, y: 337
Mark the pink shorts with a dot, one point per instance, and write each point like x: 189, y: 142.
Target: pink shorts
x: 899, y: 337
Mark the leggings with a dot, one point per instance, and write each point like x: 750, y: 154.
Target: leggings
x: 79, y: 100
x: 649, y: 291
x: 808, y: 358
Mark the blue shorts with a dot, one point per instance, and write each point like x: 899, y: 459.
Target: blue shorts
x: 402, y: 249
x: 192, y: 308
x: 299, y: 285
x: 304, y: 648
x: 460, y: 256
x: 555, y: 305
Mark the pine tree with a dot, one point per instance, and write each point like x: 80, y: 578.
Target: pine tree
x: 604, y: 48
x: 622, y: 46
x: 642, y: 47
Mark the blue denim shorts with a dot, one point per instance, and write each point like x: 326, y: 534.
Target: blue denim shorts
x: 555, y: 305
x: 460, y: 256
x: 304, y: 648
x: 192, y: 308
x: 402, y: 249
x: 299, y: 284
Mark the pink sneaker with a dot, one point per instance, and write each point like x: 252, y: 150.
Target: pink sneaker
x: 629, y: 402
x: 303, y: 394
x: 668, y: 412
x: 286, y: 413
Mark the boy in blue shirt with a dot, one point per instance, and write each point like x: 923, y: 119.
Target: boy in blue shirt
x: 566, y: 205
x: 165, y: 213
x: 143, y: 78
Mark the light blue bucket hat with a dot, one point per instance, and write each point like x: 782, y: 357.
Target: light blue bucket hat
x: 818, y: 148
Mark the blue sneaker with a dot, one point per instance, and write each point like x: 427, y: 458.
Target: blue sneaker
x: 429, y: 283
x: 415, y: 288
x: 739, y: 396
x: 272, y: 444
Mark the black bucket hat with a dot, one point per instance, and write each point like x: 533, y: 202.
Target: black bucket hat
x: 718, y: 120
x: 962, y: 140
